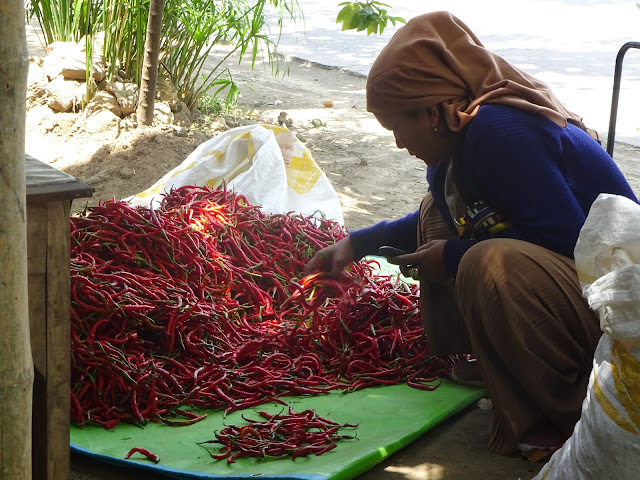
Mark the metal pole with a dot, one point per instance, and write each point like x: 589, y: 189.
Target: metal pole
x: 616, y: 94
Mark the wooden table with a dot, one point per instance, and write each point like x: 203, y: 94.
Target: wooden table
x: 49, y: 196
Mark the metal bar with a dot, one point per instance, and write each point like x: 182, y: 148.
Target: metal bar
x: 616, y: 94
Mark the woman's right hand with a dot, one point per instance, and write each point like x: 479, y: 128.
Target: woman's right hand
x: 332, y: 259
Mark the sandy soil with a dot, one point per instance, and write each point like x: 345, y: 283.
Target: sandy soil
x: 373, y: 178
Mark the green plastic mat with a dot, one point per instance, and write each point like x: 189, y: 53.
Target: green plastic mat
x: 389, y: 418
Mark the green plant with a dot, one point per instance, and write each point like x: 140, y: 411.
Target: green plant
x: 196, y: 28
x: 124, y: 23
x: 62, y: 20
x: 216, y: 106
x: 370, y: 16
x: 191, y: 29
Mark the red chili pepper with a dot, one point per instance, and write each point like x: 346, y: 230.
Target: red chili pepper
x: 151, y: 456
x: 203, y: 302
x: 295, y: 434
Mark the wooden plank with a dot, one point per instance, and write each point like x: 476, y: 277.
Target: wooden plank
x: 58, y: 339
x: 38, y: 322
x: 37, y: 219
x: 49, y: 195
x: 36, y: 237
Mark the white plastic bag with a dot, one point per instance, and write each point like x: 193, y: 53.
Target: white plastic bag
x: 267, y: 164
x: 606, y: 440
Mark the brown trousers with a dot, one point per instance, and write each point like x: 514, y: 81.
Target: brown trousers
x: 518, y: 308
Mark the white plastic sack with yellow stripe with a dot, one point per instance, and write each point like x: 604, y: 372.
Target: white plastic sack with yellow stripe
x: 606, y: 440
x: 266, y: 163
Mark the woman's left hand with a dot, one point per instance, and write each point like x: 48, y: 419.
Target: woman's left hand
x: 428, y: 259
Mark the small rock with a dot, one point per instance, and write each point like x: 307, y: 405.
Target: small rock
x: 126, y: 94
x: 180, y: 106
x: 76, y: 69
x: 285, y: 119
x: 63, y: 94
x: 317, y: 123
x: 56, y: 53
x: 328, y: 103
x: 218, y: 124
x: 36, y: 85
x: 181, y: 114
x: 162, y: 114
x: 39, y: 115
x: 126, y: 124
x: 485, y: 404
x: 98, y: 178
x: 182, y: 119
x: 69, y: 60
x: 126, y: 173
x: 104, y: 101
x: 166, y: 90
x: 101, y: 121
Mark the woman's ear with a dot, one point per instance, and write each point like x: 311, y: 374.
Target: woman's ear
x: 433, y: 112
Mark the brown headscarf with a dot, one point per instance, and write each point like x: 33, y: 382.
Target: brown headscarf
x: 435, y: 58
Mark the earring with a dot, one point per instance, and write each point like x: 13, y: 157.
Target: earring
x: 435, y: 129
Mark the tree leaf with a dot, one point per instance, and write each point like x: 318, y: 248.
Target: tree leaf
x: 346, y: 15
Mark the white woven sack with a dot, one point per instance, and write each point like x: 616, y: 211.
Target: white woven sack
x: 266, y: 163
x: 606, y: 440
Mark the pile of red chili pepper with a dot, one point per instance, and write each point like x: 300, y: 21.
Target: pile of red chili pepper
x: 294, y: 434
x: 203, y: 303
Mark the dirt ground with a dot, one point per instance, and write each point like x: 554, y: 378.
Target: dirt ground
x: 374, y: 180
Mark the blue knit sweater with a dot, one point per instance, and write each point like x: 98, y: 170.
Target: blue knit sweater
x: 541, y: 177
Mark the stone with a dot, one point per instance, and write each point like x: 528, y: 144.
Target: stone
x: 162, y: 114
x: 179, y: 107
x: 126, y: 94
x: 98, y: 178
x: 328, y: 103
x: 56, y: 51
x: 126, y: 173
x: 37, y: 81
x: 181, y: 119
x: 103, y: 101
x: 285, y: 119
x: 63, y: 94
x: 101, y: 121
x: 69, y: 60
x: 218, y: 124
x: 181, y: 114
x: 39, y: 115
x: 166, y: 90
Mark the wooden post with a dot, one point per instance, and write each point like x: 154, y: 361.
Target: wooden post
x: 48, y: 267
x: 49, y: 196
x: 16, y: 366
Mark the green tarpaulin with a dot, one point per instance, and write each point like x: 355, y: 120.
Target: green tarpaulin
x: 389, y: 418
